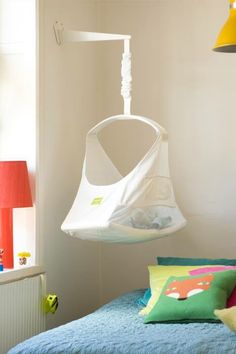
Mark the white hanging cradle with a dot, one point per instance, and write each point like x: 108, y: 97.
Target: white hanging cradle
x: 135, y: 208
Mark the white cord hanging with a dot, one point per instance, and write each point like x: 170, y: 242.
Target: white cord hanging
x: 126, y: 77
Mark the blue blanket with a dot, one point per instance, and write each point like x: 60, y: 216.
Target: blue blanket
x: 116, y: 328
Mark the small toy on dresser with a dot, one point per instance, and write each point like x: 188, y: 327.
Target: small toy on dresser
x: 23, y: 256
x: 1, y: 259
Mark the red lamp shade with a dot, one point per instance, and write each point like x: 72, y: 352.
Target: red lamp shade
x: 14, y: 193
x: 14, y: 185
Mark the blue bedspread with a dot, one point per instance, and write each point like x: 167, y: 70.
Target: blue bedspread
x: 116, y: 328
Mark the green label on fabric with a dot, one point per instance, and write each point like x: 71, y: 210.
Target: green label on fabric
x: 97, y: 201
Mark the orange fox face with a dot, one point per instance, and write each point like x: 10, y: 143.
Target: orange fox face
x: 182, y: 289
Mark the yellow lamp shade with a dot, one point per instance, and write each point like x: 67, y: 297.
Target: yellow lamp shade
x: 226, y: 40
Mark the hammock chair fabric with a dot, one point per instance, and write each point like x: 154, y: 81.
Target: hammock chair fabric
x: 135, y: 208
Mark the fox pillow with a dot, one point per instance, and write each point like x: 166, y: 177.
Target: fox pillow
x: 158, y: 276
x: 193, y: 298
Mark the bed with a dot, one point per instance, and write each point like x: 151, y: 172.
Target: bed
x: 117, y: 328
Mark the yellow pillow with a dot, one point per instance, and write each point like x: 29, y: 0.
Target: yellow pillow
x: 228, y: 317
x: 158, y: 276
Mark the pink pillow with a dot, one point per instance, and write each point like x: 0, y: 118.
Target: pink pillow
x: 232, y: 299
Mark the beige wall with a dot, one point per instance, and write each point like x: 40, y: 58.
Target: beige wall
x: 190, y: 90
x: 68, y: 108
x: 178, y: 81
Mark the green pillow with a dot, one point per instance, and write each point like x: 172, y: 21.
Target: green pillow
x: 194, y: 261
x: 193, y: 298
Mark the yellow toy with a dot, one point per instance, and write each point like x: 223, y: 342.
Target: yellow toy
x: 50, y: 303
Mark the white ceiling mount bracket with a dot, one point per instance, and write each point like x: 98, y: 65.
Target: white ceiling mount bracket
x: 63, y: 36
